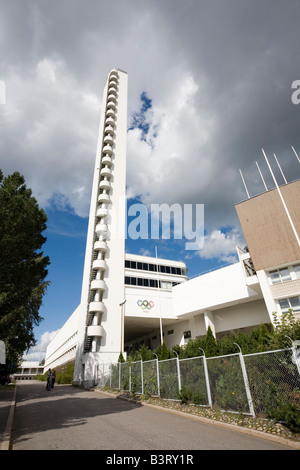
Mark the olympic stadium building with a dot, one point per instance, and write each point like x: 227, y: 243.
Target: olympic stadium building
x: 128, y: 300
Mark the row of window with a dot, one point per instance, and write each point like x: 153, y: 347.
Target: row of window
x: 285, y: 274
x: 186, y: 334
x: 153, y: 267
x: 290, y: 303
x: 138, y: 281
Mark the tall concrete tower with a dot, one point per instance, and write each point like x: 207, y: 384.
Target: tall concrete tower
x: 100, y: 322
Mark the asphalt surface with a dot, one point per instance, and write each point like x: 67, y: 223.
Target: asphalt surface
x: 7, y: 407
x: 69, y: 418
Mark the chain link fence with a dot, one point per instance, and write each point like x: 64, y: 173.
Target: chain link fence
x: 249, y: 384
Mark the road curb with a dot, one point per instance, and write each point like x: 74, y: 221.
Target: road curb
x: 253, y: 432
x: 6, y: 441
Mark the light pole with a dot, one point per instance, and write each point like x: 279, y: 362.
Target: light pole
x: 122, y: 325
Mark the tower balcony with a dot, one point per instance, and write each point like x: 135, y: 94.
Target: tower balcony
x: 109, y: 121
x: 100, y: 245
x: 111, y: 104
x: 103, y: 197
x: 101, y: 229
x: 114, y: 73
x: 112, y: 91
x: 95, y: 330
x: 105, y: 172
x: 109, y: 130
x: 99, y: 265
x: 111, y: 112
x: 113, y: 82
x: 106, y: 160
x: 108, y: 139
x: 98, y: 284
x: 112, y: 97
x: 104, y: 184
x: 96, y: 307
x: 102, y: 212
x: 107, y: 149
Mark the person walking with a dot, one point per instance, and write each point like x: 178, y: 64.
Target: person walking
x: 53, y: 378
x: 49, y: 380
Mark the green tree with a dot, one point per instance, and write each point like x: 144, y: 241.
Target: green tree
x: 163, y: 351
x: 210, y: 344
x: 23, y: 267
x: 285, y: 328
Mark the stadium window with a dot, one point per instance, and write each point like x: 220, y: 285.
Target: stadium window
x: 292, y: 303
x: 280, y: 275
x: 297, y: 271
x: 153, y: 282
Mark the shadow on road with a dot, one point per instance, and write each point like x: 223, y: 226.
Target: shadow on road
x: 39, y: 410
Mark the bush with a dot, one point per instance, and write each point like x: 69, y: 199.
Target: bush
x: 287, y: 413
x: 64, y: 378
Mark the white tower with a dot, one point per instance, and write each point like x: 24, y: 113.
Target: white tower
x: 99, y: 329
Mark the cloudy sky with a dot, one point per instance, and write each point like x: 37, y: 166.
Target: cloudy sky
x: 210, y: 84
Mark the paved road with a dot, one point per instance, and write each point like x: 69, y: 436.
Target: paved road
x: 68, y: 418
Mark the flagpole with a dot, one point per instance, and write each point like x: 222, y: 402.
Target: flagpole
x: 296, y: 154
x: 280, y: 169
x: 282, y: 200
x: 160, y: 319
x: 262, y: 177
x: 244, y: 183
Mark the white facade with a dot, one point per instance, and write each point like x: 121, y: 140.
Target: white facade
x: 28, y: 370
x: 129, y: 299
x: 62, y: 348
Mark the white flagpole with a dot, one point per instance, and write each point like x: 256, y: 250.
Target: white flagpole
x: 160, y: 319
x: 296, y: 154
x: 244, y: 184
x: 280, y: 168
x: 282, y: 200
x: 261, y: 176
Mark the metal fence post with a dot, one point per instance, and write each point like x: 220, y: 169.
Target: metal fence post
x: 157, y: 373
x: 178, y: 372
x: 142, y: 376
x: 295, y: 353
x: 207, y: 379
x: 246, y: 382
x: 119, y: 375
x: 129, y: 374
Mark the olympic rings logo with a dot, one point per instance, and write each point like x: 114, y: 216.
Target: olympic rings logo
x: 145, y: 304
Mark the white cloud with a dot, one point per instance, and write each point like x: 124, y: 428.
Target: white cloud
x: 38, y: 352
x: 220, y: 89
x: 221, y: 245
x: 171, y: 161
x: 50, y: 133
